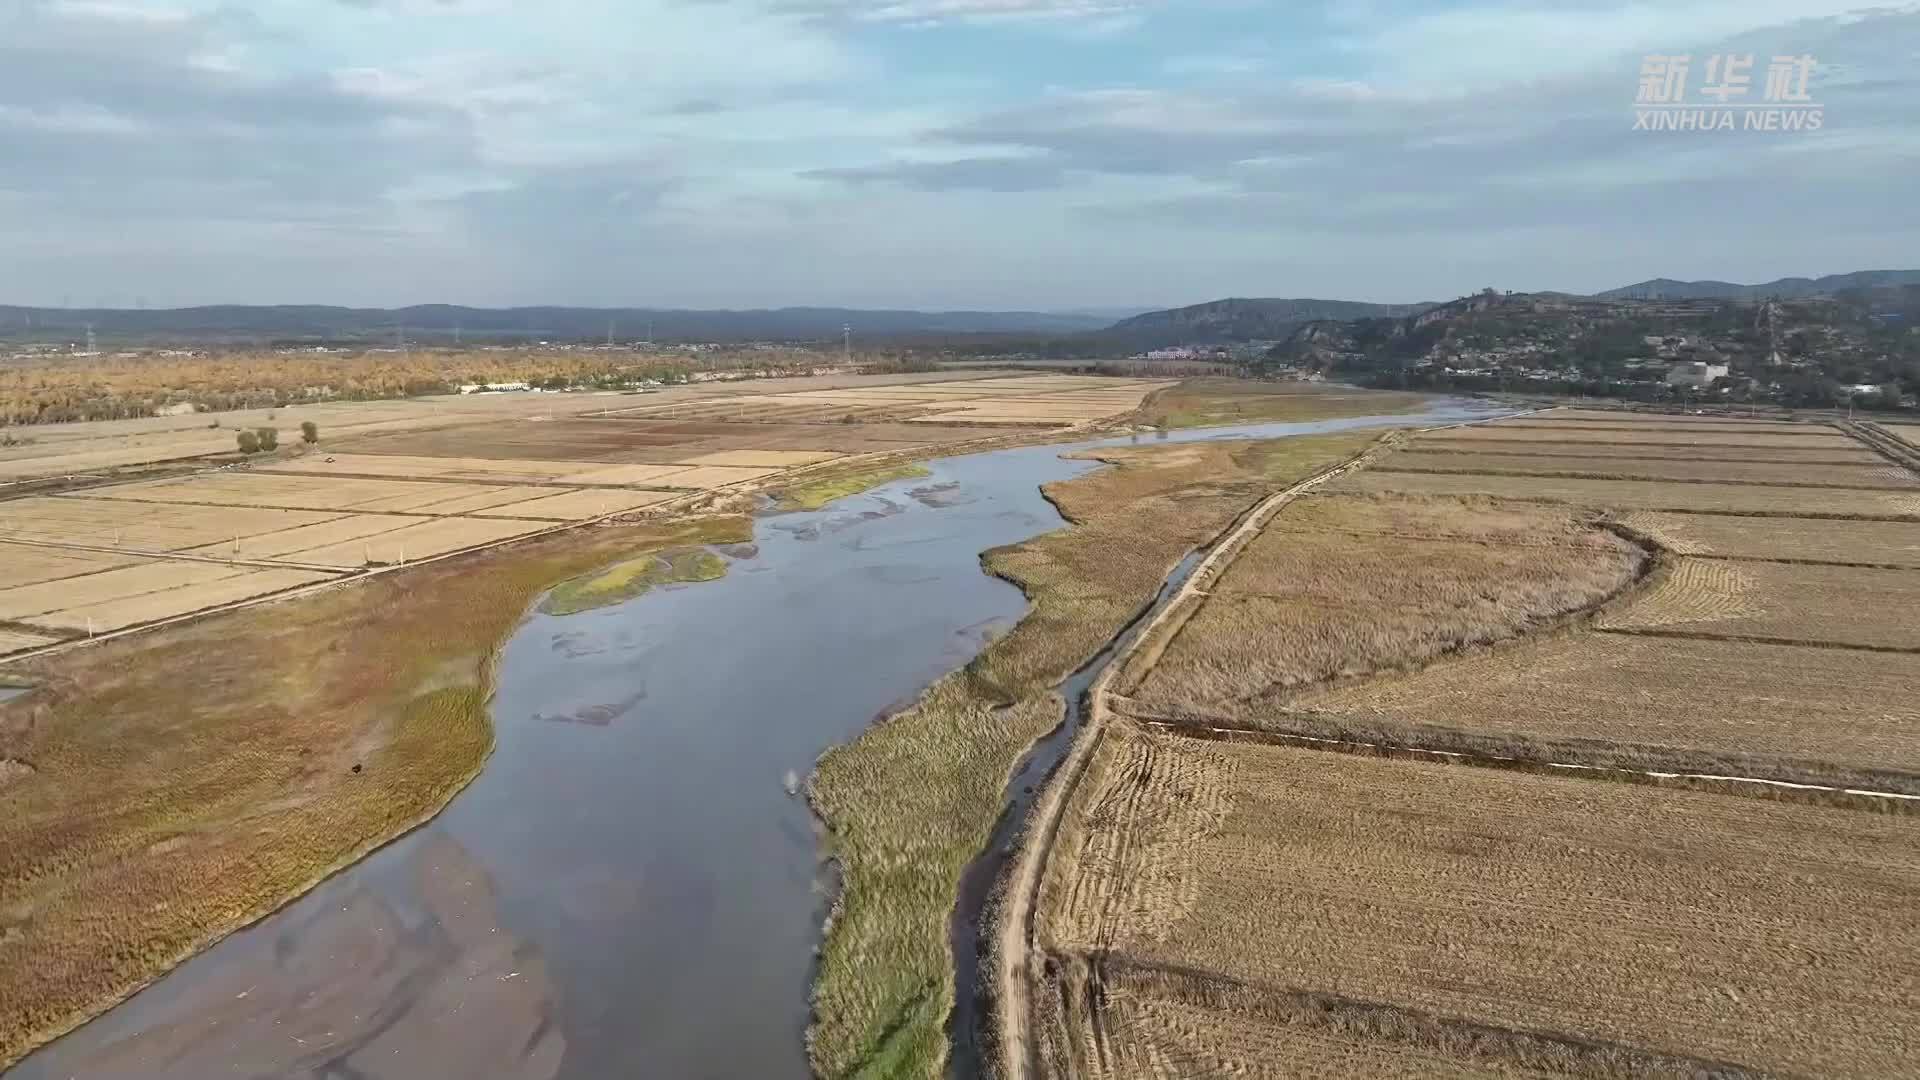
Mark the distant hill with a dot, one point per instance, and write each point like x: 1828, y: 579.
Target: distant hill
x: 1793, y: 288
x: 1224, y: 321
x: 439, y: 323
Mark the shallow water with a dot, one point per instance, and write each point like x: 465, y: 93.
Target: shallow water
x: 629, y: 888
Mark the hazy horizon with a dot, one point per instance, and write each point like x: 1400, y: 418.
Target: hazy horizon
x: 1033, y: 155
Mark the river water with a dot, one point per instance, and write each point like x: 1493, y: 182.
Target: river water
x: 630, y: 888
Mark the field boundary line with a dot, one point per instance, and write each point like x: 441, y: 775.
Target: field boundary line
x: 1219, y: 730
x: 1754, y: 639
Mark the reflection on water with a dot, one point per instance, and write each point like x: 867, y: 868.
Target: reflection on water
x: 629, y: 888
x: 357, y: 988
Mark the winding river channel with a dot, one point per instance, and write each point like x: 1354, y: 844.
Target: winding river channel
x: 631, y: 888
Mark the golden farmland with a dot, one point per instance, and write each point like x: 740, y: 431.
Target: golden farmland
x: 400, y: 481
x: 1670, y: 927
x: 1737, y: 613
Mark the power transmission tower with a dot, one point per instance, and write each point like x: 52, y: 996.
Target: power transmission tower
x: 846, y: 344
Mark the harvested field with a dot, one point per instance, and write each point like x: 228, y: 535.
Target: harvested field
x: 289, y: 543
x: 1157, y: 1023
x: 1886, y: 543
x: 1787, y: 712
x: 708, y: 477
x: 1579, y: 435
x: 1642, y: 494
x: 26, y: 564
x: 306, y: 492
x: 1354, y: 586
x: 13, y: 641
x: 1509, y: 922
x: 147, y: 576
x: 1863, y: 475
x: 1656, y: 424
x: 616, y: 441
x: 1659, y: 416
x: 1544, y: 452
x: 141, y: 527
x: 1833, y: 605
x: 416, y: 539
x: 500, y: 470
x: 182, y: 599
x: 763, y: 459
x: 578, y: 505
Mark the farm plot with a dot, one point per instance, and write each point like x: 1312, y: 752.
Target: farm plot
x: 1862, y: 475
x: 182, y: 600
x: 27, y: 602
x: 141, y: 527
x: 27, y: 564
x: 1788, y: 712
x: 1657, y: 424
x: 1507, y: 920
x: 1838, y: 605
x: 764, y: 459
x: 494, y: 470
x: 289, y: 544
x: 311, y: 493
x: 414, y: 541
x: 13, y: 641
x: 578, y: 505
x: 1366, y: 591
x: 1643, y: 494
x: 1878, y: 543
x: 615, y: 441
x: 1834, y: 455
x: 1578, y: 435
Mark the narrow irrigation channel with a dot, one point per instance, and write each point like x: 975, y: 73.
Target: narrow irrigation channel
x: 979, y: 884
x: 631, y: 887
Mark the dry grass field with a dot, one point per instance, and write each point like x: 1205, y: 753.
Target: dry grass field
x: 1824, y: 605
x: 1643, y: 494
x: 1880, y: 543
x: 1780, y: 711
x: 915, y: 798
x: 1439, y: 919
x: 1202, y: 402
x: 1863, y: 474
x: 1858, y: 454
x: 1575, y: 434
x: 1338, y: 588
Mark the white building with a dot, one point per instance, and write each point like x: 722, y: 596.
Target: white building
x: 1696, y: 374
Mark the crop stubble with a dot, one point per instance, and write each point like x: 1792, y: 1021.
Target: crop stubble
x: 1708, y: 925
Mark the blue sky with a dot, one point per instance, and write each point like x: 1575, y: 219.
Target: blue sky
x: 922, y: 153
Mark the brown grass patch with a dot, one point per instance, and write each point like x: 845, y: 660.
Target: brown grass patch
x: 1215, y: 401
x: 1546, y: 452
x: 1861, y: 475
x: 1355, y: 586
x: 1599, y: 929
x: 1837, y: 605
x: 1571, y: 435
x: 1785, y: 712
x: 166, y: 810
x: 1642, y: 494
x: 1888, y: 543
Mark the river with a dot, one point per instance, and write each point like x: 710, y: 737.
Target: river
x: 630, y: 888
